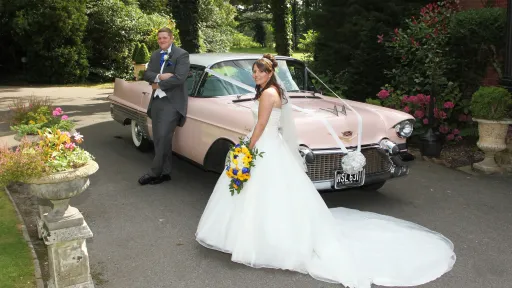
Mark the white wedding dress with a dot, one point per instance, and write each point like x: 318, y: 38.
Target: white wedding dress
x: 280, y: 221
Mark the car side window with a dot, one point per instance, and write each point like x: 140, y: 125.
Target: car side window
x: 193, y: 77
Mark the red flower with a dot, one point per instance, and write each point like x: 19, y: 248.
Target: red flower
x: 383, y: 94
x: 419, y: 114
x: 449, y: 105
x: 425, y: 121
x: 380, y: 38
x: 450, y: 137
x: 455, y: 131
x: 407, y: 109
x: 444, y: 129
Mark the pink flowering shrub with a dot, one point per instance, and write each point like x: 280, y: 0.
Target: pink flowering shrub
x: 422, y: 62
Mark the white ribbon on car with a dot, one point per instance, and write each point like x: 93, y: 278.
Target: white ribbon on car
x: 354, y: 161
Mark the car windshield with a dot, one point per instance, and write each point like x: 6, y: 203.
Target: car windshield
x: 292, y: 74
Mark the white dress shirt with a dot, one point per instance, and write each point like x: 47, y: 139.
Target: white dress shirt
x: 159, y: 92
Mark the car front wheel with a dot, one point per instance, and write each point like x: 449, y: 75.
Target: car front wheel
x: 141, y: 143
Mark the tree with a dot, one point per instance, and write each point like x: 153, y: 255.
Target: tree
x: 51, y: 33
x: 282, y: 26
x: 186, y: 13
x: 351, y: 51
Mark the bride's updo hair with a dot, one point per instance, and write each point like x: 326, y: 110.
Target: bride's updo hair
x: 268, y: 64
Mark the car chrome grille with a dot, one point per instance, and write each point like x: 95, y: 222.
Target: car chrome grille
x: 325, y: 165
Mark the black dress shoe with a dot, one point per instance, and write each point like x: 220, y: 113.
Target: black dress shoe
x: 162, y: 178
x: 146, y: 179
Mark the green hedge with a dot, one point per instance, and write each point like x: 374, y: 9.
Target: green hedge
x: 477, y: 40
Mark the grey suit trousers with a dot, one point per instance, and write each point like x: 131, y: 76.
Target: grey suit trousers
x: 165, y: 119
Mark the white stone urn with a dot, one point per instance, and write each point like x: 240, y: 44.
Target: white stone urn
x: 492, y: 136
x: 62, y: 227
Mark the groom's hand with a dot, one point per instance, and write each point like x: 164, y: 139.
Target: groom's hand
x: 154, y: 86
x: 165, y: 76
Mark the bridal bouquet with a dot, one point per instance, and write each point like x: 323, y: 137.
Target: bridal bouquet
x: 239, y: 164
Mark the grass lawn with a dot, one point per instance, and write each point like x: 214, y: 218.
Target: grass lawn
x: 16, y: 266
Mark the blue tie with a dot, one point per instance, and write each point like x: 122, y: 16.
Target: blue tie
x: 162, y: 55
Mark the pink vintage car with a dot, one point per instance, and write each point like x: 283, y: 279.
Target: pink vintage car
x: 219, y: 113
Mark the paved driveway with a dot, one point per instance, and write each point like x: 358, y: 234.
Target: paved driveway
x: 144, y: 236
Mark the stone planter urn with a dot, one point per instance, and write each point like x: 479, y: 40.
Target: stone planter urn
x: 492, y: 136
x: 62, y: 227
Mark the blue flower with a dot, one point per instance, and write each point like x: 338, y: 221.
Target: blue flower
x: 235, y: 171
x: 245, y: 170
x: 237, y: 145
x: 227, y: 167
x: 235, y: 156
x: 238, y: 182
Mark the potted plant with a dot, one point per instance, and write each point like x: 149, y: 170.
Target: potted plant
x: 490, y: 107
x: 28, y: 119
x: 55, y: 169
x: 140, y: 57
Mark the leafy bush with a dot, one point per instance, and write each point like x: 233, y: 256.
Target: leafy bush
x: 136, y: 49
x: 307, y: 44
x: 142, y: 54
x: 51, y: 33
x: 112, y: 29
x: 216, y: 25
x: 347, y: 43
x: 476, y: 42
x: 421, y: 72
x: 242, y: 41
x: 491, y: 103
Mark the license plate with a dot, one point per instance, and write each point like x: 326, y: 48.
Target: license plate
x: 342, y: 179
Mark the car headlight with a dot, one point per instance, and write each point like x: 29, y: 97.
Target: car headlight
x: 307, y: 154
x: 404, y: 129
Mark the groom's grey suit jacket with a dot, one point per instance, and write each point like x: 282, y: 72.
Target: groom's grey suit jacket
x: 174, y: 87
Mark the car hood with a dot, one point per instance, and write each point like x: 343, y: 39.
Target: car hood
x: 377, y: 122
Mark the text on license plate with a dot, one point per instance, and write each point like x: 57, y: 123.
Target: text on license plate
x: 343, y: 179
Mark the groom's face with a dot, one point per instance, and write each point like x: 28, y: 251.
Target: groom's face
x: 164, y: 40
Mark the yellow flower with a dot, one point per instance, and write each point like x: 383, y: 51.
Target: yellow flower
x: 31, y: 122
x: 238, y: 150
x: 245, y: 150
x: 235, y: 161
x: 234, y: 186
x: 247, y: 176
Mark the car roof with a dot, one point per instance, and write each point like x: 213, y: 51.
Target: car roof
x: 209, y: 59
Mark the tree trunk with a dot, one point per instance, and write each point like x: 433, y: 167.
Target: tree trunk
x: 282, y: 25
x: 186, y: 14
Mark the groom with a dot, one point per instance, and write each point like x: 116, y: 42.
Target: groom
x: 167, y: 71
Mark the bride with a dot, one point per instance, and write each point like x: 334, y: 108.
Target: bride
x: 280, y: 221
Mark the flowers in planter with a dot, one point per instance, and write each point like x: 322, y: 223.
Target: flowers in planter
x: 38, y: 114
x: 61, y: 150
x: 43, y: 118
x: 56, y: 151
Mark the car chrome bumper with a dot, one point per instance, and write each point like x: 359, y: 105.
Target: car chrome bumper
x: 380, y: 166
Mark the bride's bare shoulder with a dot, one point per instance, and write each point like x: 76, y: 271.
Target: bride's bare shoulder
x: 271, y: 94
